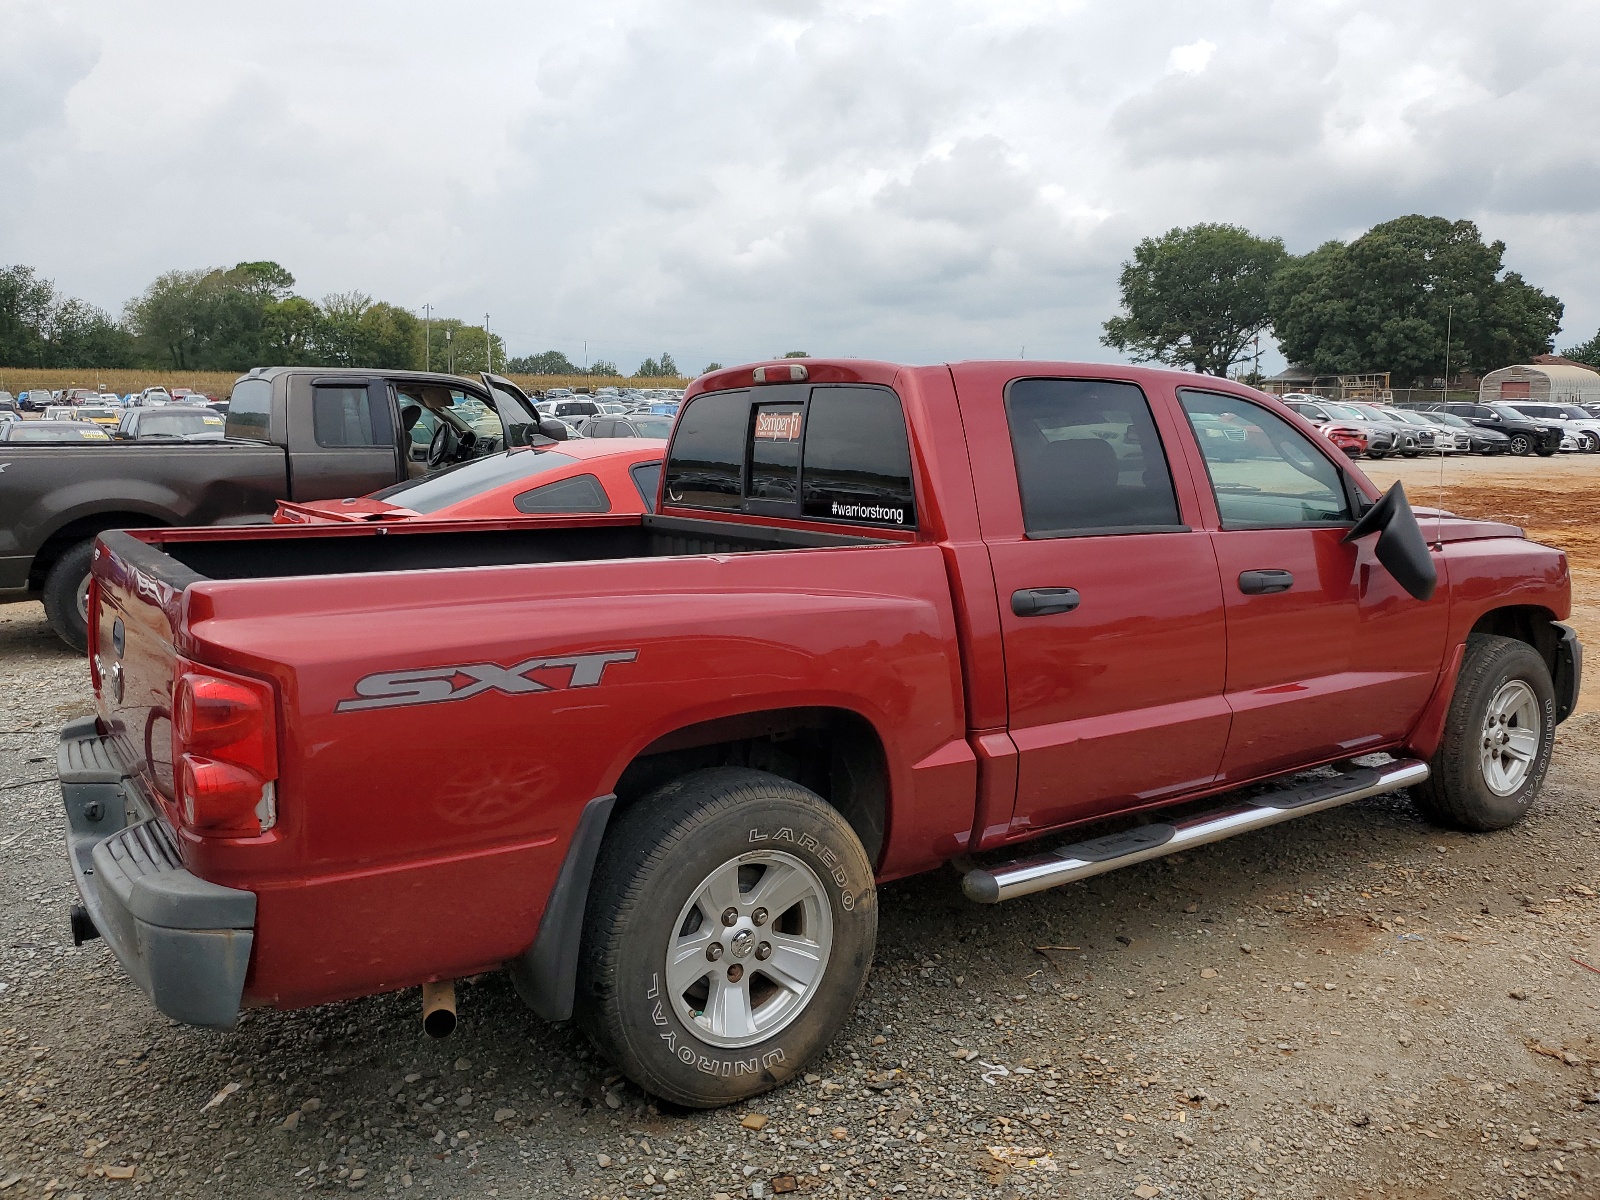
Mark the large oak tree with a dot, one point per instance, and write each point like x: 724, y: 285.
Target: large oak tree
x: 1387, y: 301
x: 1195, y: 297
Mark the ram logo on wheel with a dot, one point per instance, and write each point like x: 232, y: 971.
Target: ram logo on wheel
x: 435, y: 685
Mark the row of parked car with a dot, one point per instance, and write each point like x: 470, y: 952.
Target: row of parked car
x: 1362, y: 428
x: 104, y: 423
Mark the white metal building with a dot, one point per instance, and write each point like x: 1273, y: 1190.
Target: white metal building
x: 1554, y: 383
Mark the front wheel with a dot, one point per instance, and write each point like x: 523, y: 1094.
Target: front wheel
x: 1521, y: 444
x: 1498, y: 737
x: 729, y: 931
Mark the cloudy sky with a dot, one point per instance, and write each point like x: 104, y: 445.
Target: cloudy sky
x: 728, y: 179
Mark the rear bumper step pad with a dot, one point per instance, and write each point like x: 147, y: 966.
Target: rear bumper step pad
x: 1080, y: 860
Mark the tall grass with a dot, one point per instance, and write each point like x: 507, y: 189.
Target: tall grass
x: 220, y: 383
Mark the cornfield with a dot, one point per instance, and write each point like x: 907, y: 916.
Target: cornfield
x: 220, y: 383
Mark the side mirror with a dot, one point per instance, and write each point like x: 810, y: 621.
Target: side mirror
x: 1401, y: 548
x: 553, y: 429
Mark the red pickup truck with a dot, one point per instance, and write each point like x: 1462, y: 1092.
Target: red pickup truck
x: 1039, y: 620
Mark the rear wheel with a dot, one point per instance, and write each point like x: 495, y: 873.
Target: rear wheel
x: 1497, y: 740
x: 729, y: 931
x: 66, y: 595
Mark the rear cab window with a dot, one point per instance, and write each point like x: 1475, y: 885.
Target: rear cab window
x: 250, y: 410
x: 824, y: 452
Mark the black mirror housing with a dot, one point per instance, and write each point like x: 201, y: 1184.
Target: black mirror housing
x: 1401, y: 548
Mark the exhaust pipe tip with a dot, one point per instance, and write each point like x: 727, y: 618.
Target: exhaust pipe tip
x: 439, y: 1008
x: 83, y: 926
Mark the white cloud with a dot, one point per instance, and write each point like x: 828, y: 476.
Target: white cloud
x: 1192, y: 59
x: 728, y: 178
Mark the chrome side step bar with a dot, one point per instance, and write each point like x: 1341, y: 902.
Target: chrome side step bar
x: 1023, y: 877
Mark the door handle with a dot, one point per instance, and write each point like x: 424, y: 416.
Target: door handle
x: 1042, y: 602
x: 1261, y: 583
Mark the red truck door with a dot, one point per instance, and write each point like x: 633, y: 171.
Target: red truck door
x: 1111, y: 609
x: 1327, y: 655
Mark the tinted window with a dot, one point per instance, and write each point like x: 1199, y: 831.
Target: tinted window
x: 857, y: 458
x: 580, y: 494
x: 342, y: 416
x: 1088, y: 458
x: 706, y: 466
x: 647, y: 478
x: 775, y: 451
x: 1264, y: 472
x: 468, y: 479
x: 250, y: 410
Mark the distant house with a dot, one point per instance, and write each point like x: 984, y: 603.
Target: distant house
x: 1548, y: 377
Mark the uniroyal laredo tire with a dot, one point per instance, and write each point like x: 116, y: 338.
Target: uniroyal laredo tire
x: 1465, y: 791
x: 665, y: 863
x: 62, y: 589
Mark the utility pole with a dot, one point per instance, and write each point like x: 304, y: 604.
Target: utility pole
x: 450, y: 352
x: 488, y: 345
x: 427, y: 336
x: 1257, y: 341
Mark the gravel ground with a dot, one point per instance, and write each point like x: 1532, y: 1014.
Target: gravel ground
x: 1351, y: 1005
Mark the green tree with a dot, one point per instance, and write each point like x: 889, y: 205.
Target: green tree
x: 796, y: 354
x: 1388, y: 300
x: 652, y: 369
x: 26, y: 304
x: 211, y: 319
x: 550, y: 362
x: 710, y: 367
x: 292, y: 327
x: 1195, y: 297
x: 453, y: 341
x: 1586, y: 352
x: 603, y: 368
x: 81, y: 335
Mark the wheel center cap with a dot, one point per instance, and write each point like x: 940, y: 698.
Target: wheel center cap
x: 743, y: 942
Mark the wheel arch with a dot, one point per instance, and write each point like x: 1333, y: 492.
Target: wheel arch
x: 836, y: 752
x: 80, y: 528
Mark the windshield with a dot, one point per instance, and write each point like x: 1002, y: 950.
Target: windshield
x: 1449, y: 419
x: 466, y: 480
x: 176, y: 422
x: 1345, y: 411
x: 1400, y: 414
x: 1509, y: 413
x: 653, y: 427
x: 54, y: 431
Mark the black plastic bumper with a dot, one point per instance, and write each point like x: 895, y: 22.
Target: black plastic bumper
x: 184, y: 941
x: 1568, y: 675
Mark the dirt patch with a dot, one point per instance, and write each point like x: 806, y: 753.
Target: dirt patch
x: 1555, y: 501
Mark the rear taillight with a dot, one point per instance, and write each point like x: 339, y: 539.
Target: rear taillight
x: 225, y: 751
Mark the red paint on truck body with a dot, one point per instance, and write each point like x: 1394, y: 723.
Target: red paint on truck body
x: 421, y: 840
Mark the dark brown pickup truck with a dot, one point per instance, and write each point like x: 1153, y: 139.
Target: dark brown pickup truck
x: 292, y: 433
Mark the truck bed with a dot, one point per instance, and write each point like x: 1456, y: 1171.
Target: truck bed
x: 184, y: 556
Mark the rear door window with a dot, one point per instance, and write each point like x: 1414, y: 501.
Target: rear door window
x: 1089, y: 459
x: 350, y: 414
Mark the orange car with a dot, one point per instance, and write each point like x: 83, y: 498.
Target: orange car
x: 603, y: 475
